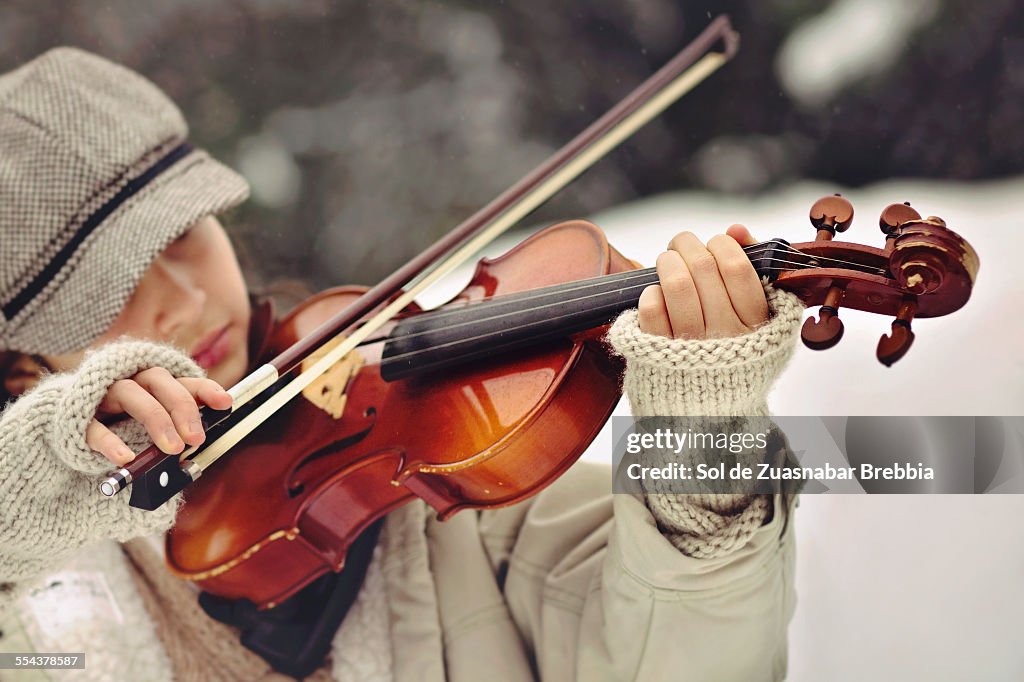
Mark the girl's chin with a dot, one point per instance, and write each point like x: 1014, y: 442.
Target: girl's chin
x: 230, y: 370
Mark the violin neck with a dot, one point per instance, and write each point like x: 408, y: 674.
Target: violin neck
x: 456, y: 334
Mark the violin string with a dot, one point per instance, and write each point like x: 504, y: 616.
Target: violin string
x: 761, y: 247
x: 753, y: 249
x: 644, y: 273
x: 560, y: 302
x: 433, y: 317
x: 648, y: 275
x: 544, y: 292
x: 765, y: 246
x: 808, y: 266
x: 850, y: 264
x: 469, y: 339
x: 499, y: 333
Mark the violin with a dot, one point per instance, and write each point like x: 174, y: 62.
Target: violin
x: 487, y: 399
x: 361, y: 402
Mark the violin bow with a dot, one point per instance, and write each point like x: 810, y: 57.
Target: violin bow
x: 156, y: 476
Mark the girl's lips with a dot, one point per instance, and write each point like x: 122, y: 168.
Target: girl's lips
x: 213, y: 348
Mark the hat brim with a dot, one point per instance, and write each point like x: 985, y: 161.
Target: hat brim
x: 109, y: 264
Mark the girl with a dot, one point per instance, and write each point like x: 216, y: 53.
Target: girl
x: 124, y: 308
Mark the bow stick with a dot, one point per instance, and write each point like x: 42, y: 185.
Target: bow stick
x: 157, y: 477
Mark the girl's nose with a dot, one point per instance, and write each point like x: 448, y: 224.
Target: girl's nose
x: 179, y: 301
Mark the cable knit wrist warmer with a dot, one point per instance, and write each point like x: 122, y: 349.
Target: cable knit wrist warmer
x: 728, y: 376
x: 99, y: 370
x: 715, y: 377
x: 52, y: 506
x: 717, y: 522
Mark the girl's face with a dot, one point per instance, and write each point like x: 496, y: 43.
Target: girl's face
x: 192, y: 296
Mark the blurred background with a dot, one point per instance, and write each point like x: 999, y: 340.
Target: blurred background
x: 367, y: 130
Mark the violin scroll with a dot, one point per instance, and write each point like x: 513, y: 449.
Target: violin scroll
x: 923, y: 253
x: 924, y: 270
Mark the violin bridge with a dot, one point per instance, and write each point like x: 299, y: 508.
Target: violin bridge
x: 329, y: 391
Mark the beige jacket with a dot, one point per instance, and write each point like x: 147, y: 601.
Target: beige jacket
x: 573, y: 584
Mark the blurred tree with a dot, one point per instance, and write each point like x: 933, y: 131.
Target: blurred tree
x: 369, y: 129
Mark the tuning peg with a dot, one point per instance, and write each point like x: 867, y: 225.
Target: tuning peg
x: 894, y: 215
x: 826, y: 331
x: 830, y: 215
x: 893, y: 346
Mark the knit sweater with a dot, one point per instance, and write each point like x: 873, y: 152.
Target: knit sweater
x: 49, y: 475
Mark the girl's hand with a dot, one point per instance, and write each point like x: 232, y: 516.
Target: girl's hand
x: 705, y: 292
x: 166, y: 406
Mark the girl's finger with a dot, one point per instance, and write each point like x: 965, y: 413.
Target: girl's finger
x: 176, y: 399
x: 741, y: 234
x: 207, y: 392
x: 652, y: 316
x: 685, y: 312
x: 719, y: 317
x: 127, y: 397
x: 104, y: 441
x: 741, y: 280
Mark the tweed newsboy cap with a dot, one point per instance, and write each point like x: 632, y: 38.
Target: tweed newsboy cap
x: 96, y: 178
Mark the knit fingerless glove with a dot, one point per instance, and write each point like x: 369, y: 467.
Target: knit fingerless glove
x: 724, y: 377
x: 717, y: 377
x: 49, y: 477
x: 83, y: 391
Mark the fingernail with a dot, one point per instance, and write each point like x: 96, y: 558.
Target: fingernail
x: 173, y: 439
x: 126, y: 453
x: 195, y: 427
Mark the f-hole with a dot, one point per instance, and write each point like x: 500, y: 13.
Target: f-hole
x: 295, y: 485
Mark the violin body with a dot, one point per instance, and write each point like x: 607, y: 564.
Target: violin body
x: 286, y: 506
